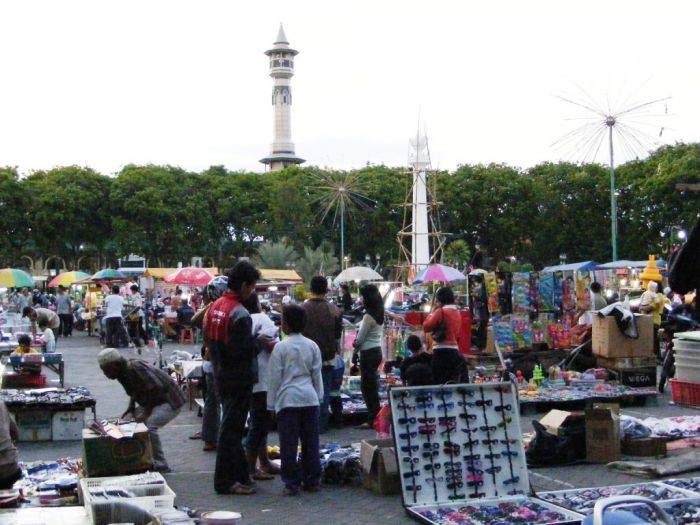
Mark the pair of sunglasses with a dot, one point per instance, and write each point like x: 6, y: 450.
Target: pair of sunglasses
x: 407, y: 420
x: 410, y: 459
x: 471, y: 457
x: 429, y: 446
x: 492, y: 470
x: 431, y: 454
x: 432, y: 467
x: 468, y: 417
x: 501, y: 408
x: 510, y: 453
x: 411, y: 474
x: 511, y: 481
x: 412, y: 448
x: 487, y: 428
x: 445, y: 406
x: 465, y: 392
x: 407, y: 435
x: 426, y: 420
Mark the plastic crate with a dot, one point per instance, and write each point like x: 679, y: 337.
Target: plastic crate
x: 147, y: 497
x: 684, y: 393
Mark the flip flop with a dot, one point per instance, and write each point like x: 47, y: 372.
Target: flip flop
x: 259, y: 475
x: 239, y: 489
x: 198, y: 435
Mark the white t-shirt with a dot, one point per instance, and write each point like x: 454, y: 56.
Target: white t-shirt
x: 114, y: 304
x: 262, y: 325
x: 49, y: 340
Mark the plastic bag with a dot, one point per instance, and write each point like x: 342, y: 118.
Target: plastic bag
x: 382, y: 423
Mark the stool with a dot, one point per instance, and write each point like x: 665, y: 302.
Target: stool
x: 186, y: 335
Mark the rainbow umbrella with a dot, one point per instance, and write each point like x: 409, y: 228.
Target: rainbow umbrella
x: 13, y: 278
x: 439, y: 273
x: 109, y: 274
x: 67, y: 278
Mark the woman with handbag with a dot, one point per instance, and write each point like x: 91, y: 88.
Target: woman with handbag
x: 444, y: 325
x: 368, y: 347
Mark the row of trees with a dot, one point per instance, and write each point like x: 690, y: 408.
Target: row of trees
x: 168, y: 214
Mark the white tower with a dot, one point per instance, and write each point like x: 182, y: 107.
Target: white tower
x: 420, y: 242
x: 281, y: 70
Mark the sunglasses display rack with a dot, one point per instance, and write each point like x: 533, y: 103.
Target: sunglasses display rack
x: 461, y: 457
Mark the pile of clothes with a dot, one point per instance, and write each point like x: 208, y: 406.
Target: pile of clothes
x: 340, y: 465
x: 673, y: 427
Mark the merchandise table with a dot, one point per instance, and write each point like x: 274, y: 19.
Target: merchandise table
x: 53, y: 362
x: 565, y: 395
x: 45, y: 516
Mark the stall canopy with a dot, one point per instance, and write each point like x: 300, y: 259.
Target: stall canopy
x: 585, y: 266
x: 162, y: 273
x: 618, y: 265
x: 68, y: 278
x: 15, y: 278
x: 189, y: 277
x: 439, y: 273
x: 280, y: 275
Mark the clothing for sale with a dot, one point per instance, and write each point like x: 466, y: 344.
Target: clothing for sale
x: 149, y: 386
x: 370, y: 334
x: 294, y: 374
x: 449, y: 319
x: 114, y: 305
x: 623, y: 317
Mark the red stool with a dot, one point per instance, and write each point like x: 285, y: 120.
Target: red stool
x: 186, y: 335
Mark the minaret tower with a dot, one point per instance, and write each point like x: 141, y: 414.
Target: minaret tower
x: 281, y: 70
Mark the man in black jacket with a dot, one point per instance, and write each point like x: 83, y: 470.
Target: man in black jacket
x: 228, y: 333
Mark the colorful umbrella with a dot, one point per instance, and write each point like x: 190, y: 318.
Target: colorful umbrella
x: 67, y: 278
x: 13, y: 278
x: 189, y: 277
x: 439, y: 273
x: 108, y: 274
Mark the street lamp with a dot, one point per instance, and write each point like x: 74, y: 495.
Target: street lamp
x: 682, y: 235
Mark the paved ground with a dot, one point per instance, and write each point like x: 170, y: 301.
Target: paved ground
x: 192, y: 478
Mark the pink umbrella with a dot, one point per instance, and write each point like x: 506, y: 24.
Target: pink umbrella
x: 439, y: 273
x: 189, y: 277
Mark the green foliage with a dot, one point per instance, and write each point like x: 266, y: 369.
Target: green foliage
x: 169, y: 215
x: 275, y: 256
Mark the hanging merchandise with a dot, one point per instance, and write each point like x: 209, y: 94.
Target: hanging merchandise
x: 521, y: 292
x: 505, y: 296
x: 533, y: 293
x: 492, y: 291
x: 583, y: 298
x: 522, y: 331
x: 568, y: 298
x: 461, y: 457
x: 545, y: 291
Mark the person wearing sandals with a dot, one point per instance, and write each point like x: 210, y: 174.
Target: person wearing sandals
x: 265, y: 334
x: 368, y: 349
x: 228, y: 332
x: 294, y: 393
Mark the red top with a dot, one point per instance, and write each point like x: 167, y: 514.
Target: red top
x: 217, y: 323
x: 450, y: 318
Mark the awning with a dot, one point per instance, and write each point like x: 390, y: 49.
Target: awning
x: 630, y: 264
x: 162, y: 273
x: 585, y: 266
x: 279, y: 275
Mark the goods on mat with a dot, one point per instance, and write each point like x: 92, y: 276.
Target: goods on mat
x: 675, y: 427
x: 584, y: 392
x: 583, y: 500
x: 340, y: 465
x: 692, y: 484
x: 50, y: 483
x: 48, y: 396
x: 684, y: 512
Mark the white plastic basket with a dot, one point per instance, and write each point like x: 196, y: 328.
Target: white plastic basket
x: 149, y: 497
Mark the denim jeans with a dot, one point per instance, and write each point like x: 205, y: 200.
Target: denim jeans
x: 369, y: 380
x: 259, y: 423
x: 160, y: 416
x: 231, y: 465
x: 211, y: 413
x: 327, y: 376
x: 295, y: 425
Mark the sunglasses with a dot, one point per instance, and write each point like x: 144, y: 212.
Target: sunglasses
x: 432, y: 467
x: 424, y: 398
x: 412, y: 448
x: 407, y: 420
x: 508, y: 441
x: 431, y: 454
x: 455, y: 485
x: 451, y: 450
x: 468, y: 417
x: 445, y: 406
x: 424, y: 405
x: 471, y: 457
x: 511, y: 481
x: 484, y: 403
x: 426, y: 427
x: 487, y: 428
x: 505, y: 422
x: 475, y: 470
x: 515, y: 492
x: 426, y: 431
x: 407, y: 435
x: 509, y: 453
x: 469, y: 430
x: 471, y: 443
x: 477, y: 495
x: 465, y: 392
x: 453, y: 471
x: 439, y: 479
x: 475, y: 484
x: 453, y: 464
x: 492, y: 456
x: 429, y: 446
x: 402, y: 393
x: 492, y: 470
x: 457, y: 496
x: 411, y: 474
x: 469, y: 404
x: 475, y: 477
x: 426, y: 420
x: 447, y: 419
x: 414, y: 488
x: 404, y: 406
x: 489, y: 441
x: 409, y: 459
x: 501, y: 408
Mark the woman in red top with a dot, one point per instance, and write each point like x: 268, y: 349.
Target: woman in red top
x: 445, y: 326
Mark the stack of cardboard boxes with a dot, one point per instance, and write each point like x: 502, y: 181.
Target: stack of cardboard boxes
x: 632, y: 359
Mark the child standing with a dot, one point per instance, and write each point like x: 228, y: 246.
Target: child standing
x: 295, y: 389
x: 48, y: 338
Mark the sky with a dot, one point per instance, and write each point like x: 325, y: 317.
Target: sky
x: 186, y: 83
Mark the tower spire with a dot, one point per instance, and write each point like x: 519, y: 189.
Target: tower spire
x: 281, y: 70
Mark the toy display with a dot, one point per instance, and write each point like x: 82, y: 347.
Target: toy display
x: 583, y: 500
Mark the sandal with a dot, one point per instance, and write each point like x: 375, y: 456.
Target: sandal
x: 271, y: 468
x: 209, y: 447
x: 259, y: 475
x: 239, y: 489
x: 198, y: 435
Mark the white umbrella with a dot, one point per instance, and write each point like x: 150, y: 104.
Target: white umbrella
x: 357, y: 273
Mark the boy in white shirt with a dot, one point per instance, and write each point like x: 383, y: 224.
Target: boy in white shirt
x: 48, y: 338
x: 294, y: 391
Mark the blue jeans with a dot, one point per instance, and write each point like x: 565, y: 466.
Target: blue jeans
x: 295, y: 425
x: 327, y: 376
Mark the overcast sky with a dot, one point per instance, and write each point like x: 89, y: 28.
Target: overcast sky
x: 106, y: 83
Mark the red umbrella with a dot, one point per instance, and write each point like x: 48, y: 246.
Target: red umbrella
x: 189, y: 277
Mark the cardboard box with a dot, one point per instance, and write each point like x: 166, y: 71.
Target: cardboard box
x: 557, y: 421
x: 638, y: 377
x: 68, y: 425
x: 609, y: 341
x: 603, y: 433
x: 105, y: 456
x: 645, y: 447
x: 381, y: 471
x: 617, y: 363
x: 34, y: 425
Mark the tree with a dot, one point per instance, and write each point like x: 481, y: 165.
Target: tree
x: 457, y: 254
x: 319, y: 261
x: 275, y: 256
x: 14, y: 223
